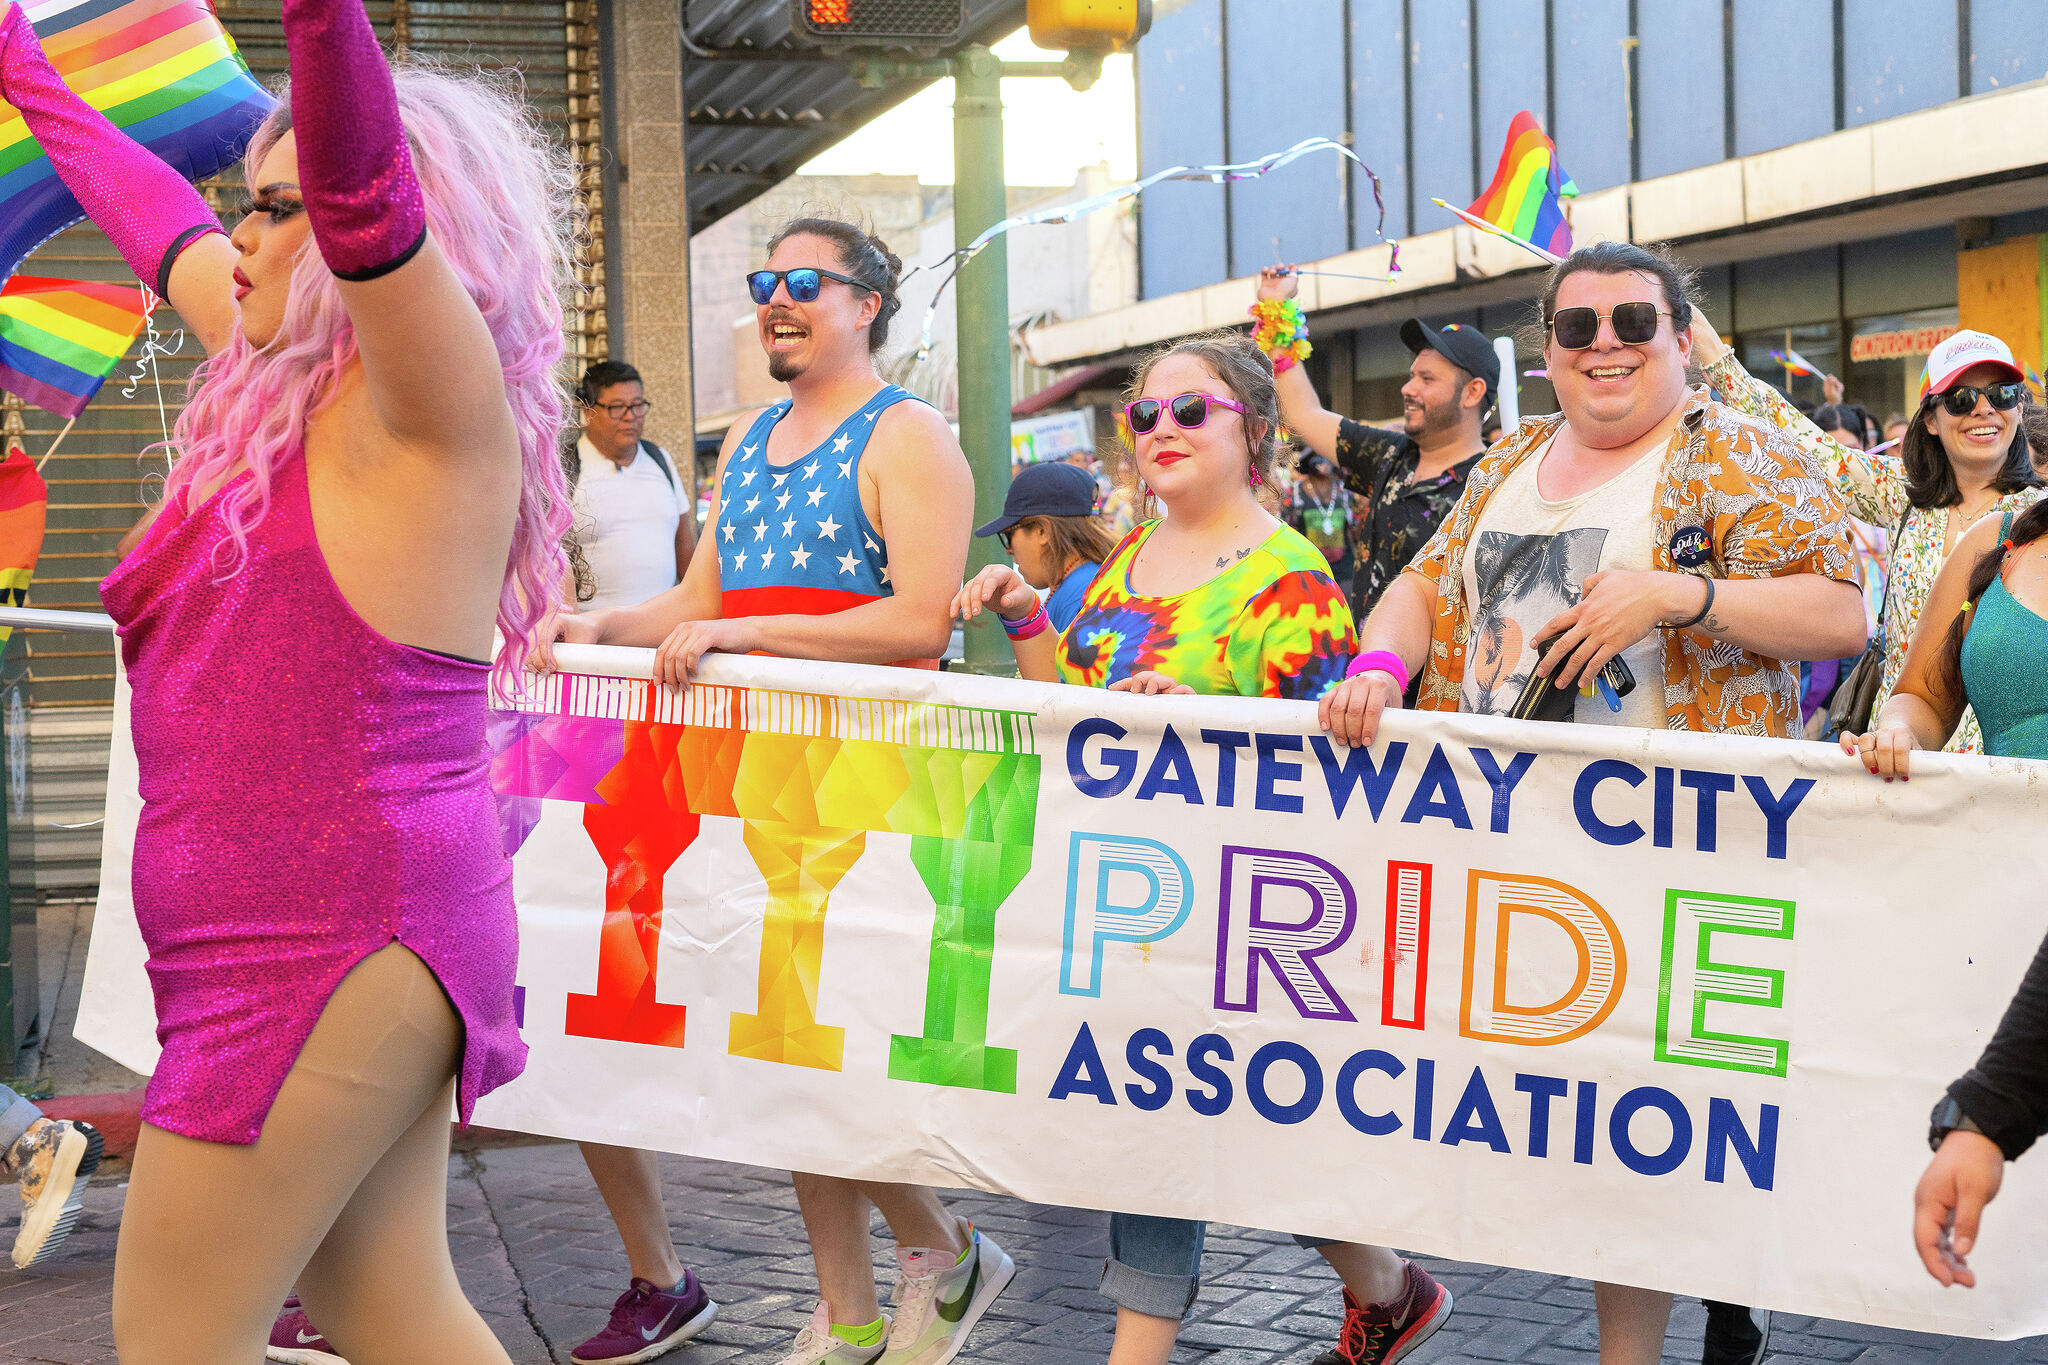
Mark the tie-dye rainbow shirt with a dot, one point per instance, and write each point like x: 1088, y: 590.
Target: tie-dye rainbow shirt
x: 1274, y: 624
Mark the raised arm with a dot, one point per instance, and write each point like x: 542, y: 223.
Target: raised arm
x: 1875, y: 485
x: 151, y: 214
x: 369, y: 218
x: 1301, y: 412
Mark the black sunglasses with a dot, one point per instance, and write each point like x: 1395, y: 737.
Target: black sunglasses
x: 804, y: 282
x: 1576, y: 329
x: 1961, y: 400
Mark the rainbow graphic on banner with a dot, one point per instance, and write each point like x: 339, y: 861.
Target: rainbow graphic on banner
x: 1526, y: 198
x: 810, y: 777
x: 60, y: 339
x: 24, y: 507
x: 163, y: 71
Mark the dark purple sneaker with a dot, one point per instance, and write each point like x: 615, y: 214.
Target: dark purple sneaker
x: 647, y: 1322
x: 294, y: 1340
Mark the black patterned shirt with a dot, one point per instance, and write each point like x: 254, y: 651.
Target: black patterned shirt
x: 1392, y: 518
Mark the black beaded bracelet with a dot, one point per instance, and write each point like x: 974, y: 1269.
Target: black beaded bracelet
x: 1701, y: 614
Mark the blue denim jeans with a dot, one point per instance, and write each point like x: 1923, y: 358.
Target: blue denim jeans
x: 16, y: 1114
x: 1155, y: 1264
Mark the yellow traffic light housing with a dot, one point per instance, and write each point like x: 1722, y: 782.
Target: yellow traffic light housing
x: 1087, y: 25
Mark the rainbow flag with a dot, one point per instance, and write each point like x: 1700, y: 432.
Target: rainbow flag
x: 60, y: 339
x: 24, y: 501
x: 163, y: 71
x: 1526, y: 197
x: 1794, y: 363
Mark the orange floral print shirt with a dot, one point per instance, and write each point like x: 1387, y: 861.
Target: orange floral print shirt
x: 1766, y: 510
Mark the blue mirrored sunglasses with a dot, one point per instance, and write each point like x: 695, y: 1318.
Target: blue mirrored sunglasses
x: 803, y: 283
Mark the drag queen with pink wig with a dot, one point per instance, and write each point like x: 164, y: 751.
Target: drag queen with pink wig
x: 363, y: 483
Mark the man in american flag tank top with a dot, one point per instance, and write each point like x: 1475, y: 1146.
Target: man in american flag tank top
x: 838, y: 531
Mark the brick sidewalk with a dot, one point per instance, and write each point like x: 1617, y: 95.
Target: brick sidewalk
x: 538, y: 1256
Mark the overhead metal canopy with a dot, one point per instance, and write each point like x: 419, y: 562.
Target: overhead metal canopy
x: 759, y: 105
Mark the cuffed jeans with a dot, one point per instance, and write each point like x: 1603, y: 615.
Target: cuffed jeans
x: 16, y: 1115
x: 1155, y: 1264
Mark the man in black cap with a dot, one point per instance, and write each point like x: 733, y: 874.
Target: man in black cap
x: 1407, y: 481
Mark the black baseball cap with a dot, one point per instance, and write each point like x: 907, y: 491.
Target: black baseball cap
x: 1045, y: 490
x: 1465, y: 347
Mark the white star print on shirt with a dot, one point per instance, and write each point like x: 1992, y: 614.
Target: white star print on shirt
x: 749, y: 476
x: 800, y: 557
x: 840, y: 443
x: 789, y: 527
x: 885, y: 573
x: 829, y: 528
x: 752, y: 503
x: 847, y: 561
x: 846, y: 469
x: 815, y: 496
x: 781, y: 501
x: 766, y: 557
x: 741, y: 562
x: 781, y: 479
x: 760, y: 530
x: 727, y: 528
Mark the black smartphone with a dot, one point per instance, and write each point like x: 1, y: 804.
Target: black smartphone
x: 1540, y: 699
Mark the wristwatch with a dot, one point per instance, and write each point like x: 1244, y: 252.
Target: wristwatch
x: 1947, y: 1117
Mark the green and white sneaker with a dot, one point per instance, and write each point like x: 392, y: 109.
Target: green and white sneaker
x: 816, y: 1345
x: 938, y: 1300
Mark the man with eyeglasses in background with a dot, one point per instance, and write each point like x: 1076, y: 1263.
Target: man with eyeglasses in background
x: 635, y: 511
x: 1645, y: 524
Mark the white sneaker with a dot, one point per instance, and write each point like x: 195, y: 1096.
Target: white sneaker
x: 816, y: 1345
x: 938, y: 1299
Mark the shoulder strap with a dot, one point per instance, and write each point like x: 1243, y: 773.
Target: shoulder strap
x: 2005, y: 527
x: 660, y: 458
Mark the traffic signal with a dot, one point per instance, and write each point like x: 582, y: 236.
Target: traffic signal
x: 879, y: 23
x: 1087, y: 25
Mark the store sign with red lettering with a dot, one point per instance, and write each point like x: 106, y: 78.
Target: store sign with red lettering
x: 1904, y: 344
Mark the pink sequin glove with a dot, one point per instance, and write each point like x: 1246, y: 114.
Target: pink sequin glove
x: 355, y: 170
x: 149, y: 211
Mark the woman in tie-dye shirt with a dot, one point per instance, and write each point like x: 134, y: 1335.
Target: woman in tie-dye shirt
x: 1217, y: 597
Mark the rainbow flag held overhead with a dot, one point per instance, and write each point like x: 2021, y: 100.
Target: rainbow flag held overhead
x: 60, y: 339
x: 1794, y: 363
x: 1526, y: 198
x: 163, y: 71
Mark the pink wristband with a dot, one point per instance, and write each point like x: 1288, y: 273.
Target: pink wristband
x: 1380, y: 661
x: 1037, y: 623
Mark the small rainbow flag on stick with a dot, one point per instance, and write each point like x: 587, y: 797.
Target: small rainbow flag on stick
x: 1525, y: 202
x: 1794, y: 362
x: 60, y: 339
x: 163, y: 71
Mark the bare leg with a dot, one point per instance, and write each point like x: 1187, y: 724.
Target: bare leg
x: 1632, y: 1323
x: 836, y: 1220
x: 213, y: 1235
x: 916, y: 1218
x: 1142, y: 1339
x: 630, y: 1181
x: 1372, y: 1274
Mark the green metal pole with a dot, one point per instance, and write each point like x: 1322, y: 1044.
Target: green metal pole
x: 982, y: 301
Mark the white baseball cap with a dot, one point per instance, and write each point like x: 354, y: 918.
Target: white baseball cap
x: 1961, y: 351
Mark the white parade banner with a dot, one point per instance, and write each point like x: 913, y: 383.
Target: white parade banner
x: 1656, y: 1008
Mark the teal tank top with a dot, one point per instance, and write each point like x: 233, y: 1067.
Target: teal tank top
x: 2002, y: 675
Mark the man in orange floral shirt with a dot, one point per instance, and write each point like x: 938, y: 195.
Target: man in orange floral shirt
x: 1646, y: 523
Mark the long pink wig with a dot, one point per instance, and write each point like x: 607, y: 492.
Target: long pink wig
x: 500, y: 207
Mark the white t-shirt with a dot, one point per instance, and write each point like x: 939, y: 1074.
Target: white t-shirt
x: 1528, y: 561
x: 626, y: 519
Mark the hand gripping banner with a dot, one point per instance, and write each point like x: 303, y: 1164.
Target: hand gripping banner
x: 1656, y: 1008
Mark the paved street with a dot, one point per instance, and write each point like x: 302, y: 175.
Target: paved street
x: 537, y: 1255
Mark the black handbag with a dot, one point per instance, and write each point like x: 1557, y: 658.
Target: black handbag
x: 1856, y: 695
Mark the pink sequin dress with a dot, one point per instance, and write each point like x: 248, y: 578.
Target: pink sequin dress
x: 311, y: 791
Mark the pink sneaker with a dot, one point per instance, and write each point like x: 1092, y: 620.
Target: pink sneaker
x: 295, y: 1341
x: 1382, y: 1333
x: 648, y: 1322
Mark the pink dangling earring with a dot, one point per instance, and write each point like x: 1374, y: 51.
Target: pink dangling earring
x: 1256, y: 480
x: 1144, y: 489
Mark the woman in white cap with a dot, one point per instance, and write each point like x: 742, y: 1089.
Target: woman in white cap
x: 1965, y: 455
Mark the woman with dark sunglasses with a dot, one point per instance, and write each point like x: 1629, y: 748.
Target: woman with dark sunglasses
x: 1218, y: 597
x: 1966, y: 454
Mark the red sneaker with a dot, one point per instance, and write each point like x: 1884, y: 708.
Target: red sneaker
x: 1382, y: 1333
x: 294, y: 1340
